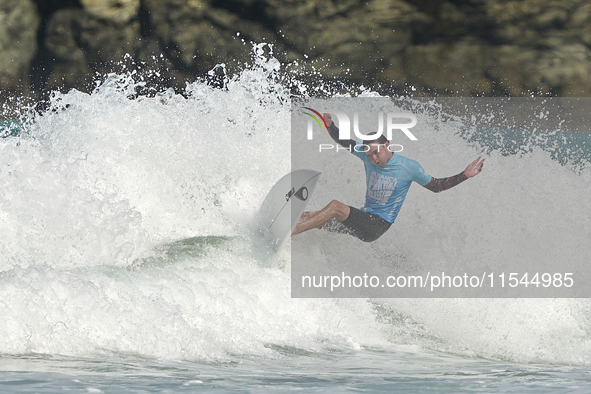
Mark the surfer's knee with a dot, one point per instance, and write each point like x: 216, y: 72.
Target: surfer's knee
x: 336, y: 205
x: 339, y: 210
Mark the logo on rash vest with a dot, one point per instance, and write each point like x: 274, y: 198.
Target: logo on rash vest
x: 380, y: 188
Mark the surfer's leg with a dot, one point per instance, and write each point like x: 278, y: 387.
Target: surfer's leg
x: 307, y: 215
x: 365, y: 226
x: 335, y: 209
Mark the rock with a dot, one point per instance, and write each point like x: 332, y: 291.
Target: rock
x: 19, y: 22
x: 79, y: 45
x: 457, y: 69
x: 565, y: 71
x: 444, y: 47
x: 196, y: 36
x: 345, y: 38
x: 118, y: 11
x: 351, y: 39
x: 511, y: 68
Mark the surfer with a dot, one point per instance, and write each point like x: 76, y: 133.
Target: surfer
x: 388, y: 178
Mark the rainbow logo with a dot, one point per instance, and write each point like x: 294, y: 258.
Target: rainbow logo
x: 316, y: 118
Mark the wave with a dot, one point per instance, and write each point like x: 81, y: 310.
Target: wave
x: 127, y: 228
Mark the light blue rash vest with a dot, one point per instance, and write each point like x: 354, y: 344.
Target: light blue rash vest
x: 387, y: 186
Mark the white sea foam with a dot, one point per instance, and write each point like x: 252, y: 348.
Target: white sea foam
x: 92, y: 189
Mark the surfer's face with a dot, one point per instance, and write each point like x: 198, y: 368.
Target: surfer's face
x: 378, y: 154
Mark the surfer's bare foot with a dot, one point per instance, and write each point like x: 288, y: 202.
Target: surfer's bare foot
x: 334, y: 209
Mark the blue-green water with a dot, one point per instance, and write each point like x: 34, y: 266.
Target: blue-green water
x: 130, y: 261
x: 337, y: 370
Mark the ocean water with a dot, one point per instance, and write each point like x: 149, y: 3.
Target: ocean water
x: 130, y: 260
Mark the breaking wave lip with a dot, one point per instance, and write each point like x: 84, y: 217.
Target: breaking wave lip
x: 98, y: 194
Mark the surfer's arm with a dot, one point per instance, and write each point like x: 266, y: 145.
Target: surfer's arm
x: 437, y: 185
x: 333, y: 131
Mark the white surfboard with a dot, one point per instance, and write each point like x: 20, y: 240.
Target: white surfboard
x: 285, y: 203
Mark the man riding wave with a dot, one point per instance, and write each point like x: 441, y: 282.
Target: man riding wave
x: 388, y: 178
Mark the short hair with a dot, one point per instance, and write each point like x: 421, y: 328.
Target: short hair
x: 380, y: 140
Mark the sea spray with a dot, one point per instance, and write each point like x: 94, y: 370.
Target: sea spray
x: 96, y: 190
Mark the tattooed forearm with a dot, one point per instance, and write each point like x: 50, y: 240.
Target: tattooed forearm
x: 437, y: 185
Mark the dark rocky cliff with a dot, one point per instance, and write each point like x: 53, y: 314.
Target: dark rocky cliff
x: 449, y: 47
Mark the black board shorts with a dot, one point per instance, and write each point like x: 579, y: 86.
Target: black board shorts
x: 365, y: 226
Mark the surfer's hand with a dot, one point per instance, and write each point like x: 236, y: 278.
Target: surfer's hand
x: 474, y: 168
x: 328, y: 119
